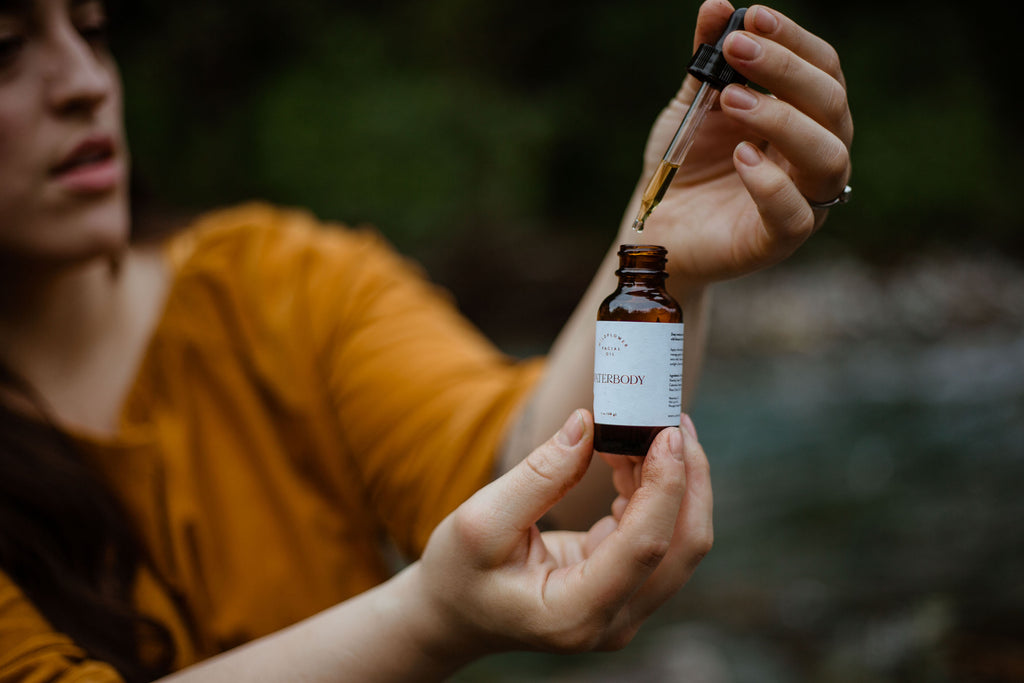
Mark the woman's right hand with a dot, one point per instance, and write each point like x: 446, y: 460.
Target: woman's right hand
x: 494, y: 582
x: 740, y: 202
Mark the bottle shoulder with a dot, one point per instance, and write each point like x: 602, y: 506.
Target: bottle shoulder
x: 640, y: 304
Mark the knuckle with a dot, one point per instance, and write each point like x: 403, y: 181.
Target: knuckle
x: 649, y: 552
x: 791, y: 67
x: 841, y: 162
x: 703, y: 469
x: 470, y: 528
x: 543, y: 464
x: 701, y: 466
x: 831, y: 63
x: 835, y: 164
x: 777, y: 189
x: 796, y: 224
x: 784, y: 115
x: 703, y: 544
x: 547, y: 465
x: 836, y: 103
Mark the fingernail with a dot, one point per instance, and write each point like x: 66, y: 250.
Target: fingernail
x: 739, y: 97
x: 572, y: 431
x: 675, y: 443
x: 765, y: 20
x: 748, y: 154
x: 688, y: 425
x: 744, y: 47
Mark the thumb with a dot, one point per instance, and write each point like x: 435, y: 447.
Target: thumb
x: 518, y: 499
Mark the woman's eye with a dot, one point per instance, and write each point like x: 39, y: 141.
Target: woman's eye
x: 10, y: 46
x: 95, y: 33
x: 90, y: 18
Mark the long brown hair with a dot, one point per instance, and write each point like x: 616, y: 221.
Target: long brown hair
x: 65, y: 539
x: 66, y: 542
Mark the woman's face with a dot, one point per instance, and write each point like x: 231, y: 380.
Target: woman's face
x: 63, y: 158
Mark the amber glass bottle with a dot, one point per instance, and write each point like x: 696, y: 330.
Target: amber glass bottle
x: 638, y: 355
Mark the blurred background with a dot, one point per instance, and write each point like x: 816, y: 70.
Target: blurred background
x: 862, y: 404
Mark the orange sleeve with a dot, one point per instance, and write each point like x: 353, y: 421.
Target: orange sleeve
x: 421, y: 399
x: 32, y: 652
x: 425, y: 400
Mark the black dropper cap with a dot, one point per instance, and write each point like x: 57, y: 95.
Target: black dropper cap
x: 708, y: 63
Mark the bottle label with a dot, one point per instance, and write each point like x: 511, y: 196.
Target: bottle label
x: 638, y: 373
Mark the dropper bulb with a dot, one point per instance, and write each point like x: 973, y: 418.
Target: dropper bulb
x: 708, y: 63
x: 735, y: 24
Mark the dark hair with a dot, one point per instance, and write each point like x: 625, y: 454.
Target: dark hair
x: 66, y: 542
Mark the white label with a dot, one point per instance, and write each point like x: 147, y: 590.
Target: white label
x: 638, y: 373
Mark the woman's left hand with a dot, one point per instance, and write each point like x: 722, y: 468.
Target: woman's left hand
x: 740, y: 201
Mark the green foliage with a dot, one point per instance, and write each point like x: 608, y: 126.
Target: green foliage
x: 431, y: 119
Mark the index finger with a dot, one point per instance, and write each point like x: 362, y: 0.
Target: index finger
x: 694, y: 536
x: 628, y: 556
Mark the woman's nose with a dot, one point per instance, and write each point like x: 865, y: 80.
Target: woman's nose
x: 79, y: 80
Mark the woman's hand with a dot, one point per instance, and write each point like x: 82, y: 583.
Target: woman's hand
x: 490, y: 581
x: 740, y: 200
x: 498, y: 583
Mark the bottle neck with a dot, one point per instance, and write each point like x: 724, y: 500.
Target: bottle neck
x: 642, y: 265
x: 630, y: 277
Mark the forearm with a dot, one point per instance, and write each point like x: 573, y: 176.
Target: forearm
x: 386, y: 634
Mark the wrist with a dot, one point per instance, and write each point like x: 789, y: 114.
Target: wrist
x: 691, y: 295
x: 435, y: 634
x: 689, y: 292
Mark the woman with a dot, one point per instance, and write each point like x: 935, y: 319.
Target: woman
x: 202, y: 442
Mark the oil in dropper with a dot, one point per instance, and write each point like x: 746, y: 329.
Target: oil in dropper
x: 675, y: 154
x: 655, y: 192
x: 709, y: 66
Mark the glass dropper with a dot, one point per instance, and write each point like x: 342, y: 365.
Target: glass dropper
x: 709, y: 66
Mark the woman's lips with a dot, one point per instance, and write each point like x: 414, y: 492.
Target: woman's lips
x: 91, y: 168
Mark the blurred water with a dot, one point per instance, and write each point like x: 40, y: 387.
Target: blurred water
x: 868, y: 510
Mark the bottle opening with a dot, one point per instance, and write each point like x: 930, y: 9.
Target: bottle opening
x: 639, y: 259
x: 642, y: 249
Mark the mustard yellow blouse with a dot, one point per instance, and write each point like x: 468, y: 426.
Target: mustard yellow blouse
x: 306, y: 395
